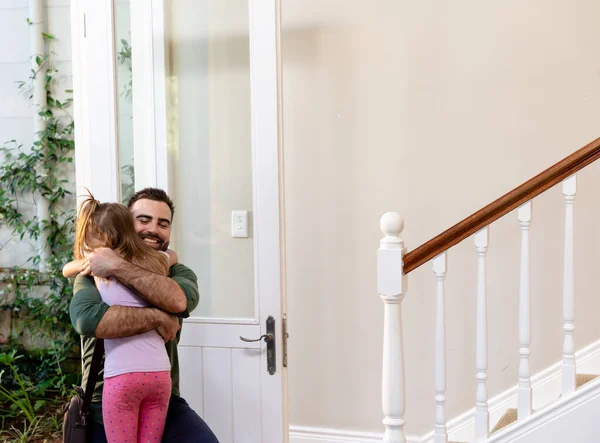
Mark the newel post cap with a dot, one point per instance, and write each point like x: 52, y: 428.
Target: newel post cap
x: 391, y: 224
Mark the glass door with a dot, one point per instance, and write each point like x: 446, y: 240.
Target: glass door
x: 183, y: 95
x: 210, y: 149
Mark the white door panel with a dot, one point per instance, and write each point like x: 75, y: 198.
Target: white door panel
x: 219, y: 335
x: 190, y: 380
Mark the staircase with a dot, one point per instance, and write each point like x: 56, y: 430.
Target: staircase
x: 511, y: 414
x: 579, y: 393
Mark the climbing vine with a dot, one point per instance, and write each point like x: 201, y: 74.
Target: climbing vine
x: 31, y: 176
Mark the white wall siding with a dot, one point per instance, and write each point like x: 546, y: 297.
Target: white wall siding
x: 16, y: 112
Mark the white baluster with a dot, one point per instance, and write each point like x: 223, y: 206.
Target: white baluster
x: 440, y: 432
x: 524, y: 392
x: 568, y: 366
x: 391, y: 285
x: 482, y: 417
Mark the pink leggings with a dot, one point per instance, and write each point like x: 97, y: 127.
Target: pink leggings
x: 134, y: 406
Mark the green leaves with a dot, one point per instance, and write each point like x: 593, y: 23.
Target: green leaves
x: 124, y: 59
x: 41, y: 301
x: 39, y: 405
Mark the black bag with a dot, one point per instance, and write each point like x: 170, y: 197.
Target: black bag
x: 75, y: 421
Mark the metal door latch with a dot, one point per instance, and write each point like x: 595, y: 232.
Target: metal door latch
x: 269, y: 339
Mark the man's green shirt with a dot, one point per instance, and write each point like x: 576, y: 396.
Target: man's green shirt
x: 87, y: 309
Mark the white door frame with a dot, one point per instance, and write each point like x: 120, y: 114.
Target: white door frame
x: 148, y: 36
x: 95, y: 99
x: 268, y: 195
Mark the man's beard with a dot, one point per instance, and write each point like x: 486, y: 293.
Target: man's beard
x: 162, y: 245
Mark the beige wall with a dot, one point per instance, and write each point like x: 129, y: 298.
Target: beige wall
x: 431, y: 109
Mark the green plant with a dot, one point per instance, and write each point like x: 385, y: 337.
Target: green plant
x: 17, y: 399
x: 38, y: 299
x: 25, y: 402
x: 30, y: 430
x: 124, y: 58
x: 25, y: 176
x: 127, y: 183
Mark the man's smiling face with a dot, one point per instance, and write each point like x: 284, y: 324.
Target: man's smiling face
x: 152, y: 221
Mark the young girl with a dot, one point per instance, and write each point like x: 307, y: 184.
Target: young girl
x: 137, y: 371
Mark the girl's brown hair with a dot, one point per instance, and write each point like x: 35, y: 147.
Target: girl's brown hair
x: 112, y: 224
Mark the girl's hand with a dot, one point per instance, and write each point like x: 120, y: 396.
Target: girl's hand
x: 71, y: 269
x: 85, y: 268
x: 173, y: 259
x: 104, y: 262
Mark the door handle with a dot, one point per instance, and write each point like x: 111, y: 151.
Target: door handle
x: 269, y: 339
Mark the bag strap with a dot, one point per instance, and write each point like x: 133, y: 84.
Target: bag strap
x: 93, y: 375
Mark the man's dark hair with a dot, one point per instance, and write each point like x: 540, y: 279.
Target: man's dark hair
x: 152, y: 194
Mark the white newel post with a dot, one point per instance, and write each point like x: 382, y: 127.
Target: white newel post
x: 391, y: 285
x: 440, y: 432
x: 482, y: 417
x: 525, y: 397
x: 568, y: 366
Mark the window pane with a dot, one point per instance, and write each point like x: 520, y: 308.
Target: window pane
x: 125, y: 96
x: 210, y: 149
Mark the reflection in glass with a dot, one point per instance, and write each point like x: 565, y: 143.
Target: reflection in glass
x: 208, y: 76
x: 125, y: 96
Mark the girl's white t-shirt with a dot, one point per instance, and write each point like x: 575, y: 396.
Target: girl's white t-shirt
x: 145, y: 352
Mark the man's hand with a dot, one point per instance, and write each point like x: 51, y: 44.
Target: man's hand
x: 169, y: 325
x: 103, y: 262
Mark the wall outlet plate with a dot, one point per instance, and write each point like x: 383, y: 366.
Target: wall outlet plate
x: 239, y: 224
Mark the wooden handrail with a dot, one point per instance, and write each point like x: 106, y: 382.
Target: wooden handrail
x: 492, y: 212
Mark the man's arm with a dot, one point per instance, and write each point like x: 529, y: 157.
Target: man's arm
x: 188, y: 282
x: 92, y: 317
x: 125, y: 321
x: 159, y: 290
x: 86, y: 308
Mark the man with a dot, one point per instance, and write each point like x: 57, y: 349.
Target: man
x: 174, y: 297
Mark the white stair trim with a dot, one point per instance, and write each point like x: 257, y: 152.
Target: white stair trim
x: 556, y: 409
x: 305, y: 434
x: 547, y: 386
